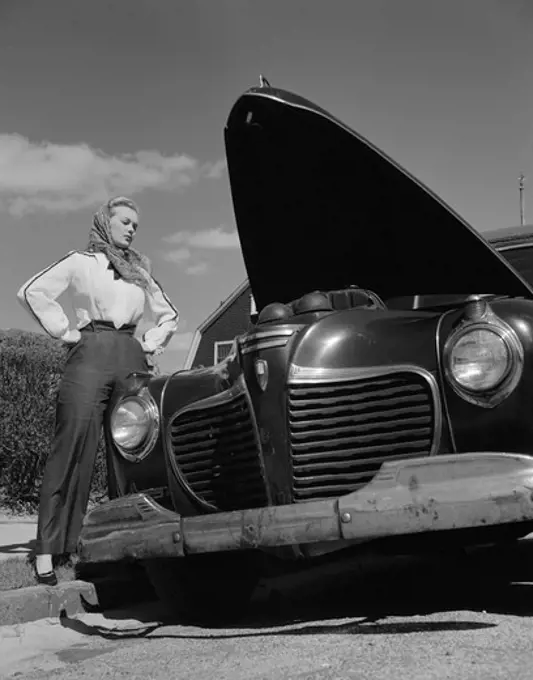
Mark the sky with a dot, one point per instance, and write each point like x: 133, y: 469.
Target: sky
x: 131, y: 96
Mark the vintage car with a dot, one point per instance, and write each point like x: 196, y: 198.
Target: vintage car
x: 384, y: 392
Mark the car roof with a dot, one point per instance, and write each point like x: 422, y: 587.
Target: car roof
x: 509, y: 235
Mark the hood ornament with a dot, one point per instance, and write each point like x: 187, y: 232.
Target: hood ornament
x: 261, y: 373
x: 263, y: 82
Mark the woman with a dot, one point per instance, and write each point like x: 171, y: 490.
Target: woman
x: 111, y: 282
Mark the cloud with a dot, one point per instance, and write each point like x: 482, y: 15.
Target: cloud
x: 212, y: 239
x: 177, y: 256
x: 64, y: 178
x: 197, y: 269
x: 180, y: 342
x: 190, y: 242
x: 216, y: 170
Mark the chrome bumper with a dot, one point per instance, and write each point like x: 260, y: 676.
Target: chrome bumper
x: 439, y: 493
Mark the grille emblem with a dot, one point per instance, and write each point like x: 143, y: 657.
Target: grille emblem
x: 261, y: 373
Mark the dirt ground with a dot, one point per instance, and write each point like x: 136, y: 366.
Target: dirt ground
x: 419, y: 623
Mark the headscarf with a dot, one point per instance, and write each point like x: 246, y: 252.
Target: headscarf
x: 129, y: 263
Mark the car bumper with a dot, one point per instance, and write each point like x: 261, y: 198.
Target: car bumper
x: 439, y: 493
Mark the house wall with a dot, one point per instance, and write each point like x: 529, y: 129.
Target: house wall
x: 233, y: 321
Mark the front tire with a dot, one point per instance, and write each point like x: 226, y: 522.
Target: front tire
x: 209, y: 589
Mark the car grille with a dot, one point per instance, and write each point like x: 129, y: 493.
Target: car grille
x: 216, y: 453
x: 341, y: 432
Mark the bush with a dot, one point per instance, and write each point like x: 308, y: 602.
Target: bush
x: 31, y: 365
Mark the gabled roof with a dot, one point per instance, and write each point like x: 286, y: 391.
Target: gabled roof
x: 210, y: 320
x: 223, y: 306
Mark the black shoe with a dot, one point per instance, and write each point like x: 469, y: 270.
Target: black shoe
x: 48, y: 579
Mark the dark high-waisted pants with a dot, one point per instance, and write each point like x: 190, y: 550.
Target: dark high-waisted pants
x: 94, y: 366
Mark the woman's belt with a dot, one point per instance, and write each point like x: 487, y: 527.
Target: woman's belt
x: 97, y: 326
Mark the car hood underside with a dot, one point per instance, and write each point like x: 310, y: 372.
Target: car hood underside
x: 318, y: 207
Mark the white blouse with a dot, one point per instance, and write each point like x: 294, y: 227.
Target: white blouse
x: 98, y: 296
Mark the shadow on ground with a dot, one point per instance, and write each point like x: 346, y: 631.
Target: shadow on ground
x: 17, y: 549
x: 345, y: 603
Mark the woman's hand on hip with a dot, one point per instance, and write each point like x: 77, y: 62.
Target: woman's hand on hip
x: 145, y: 347
x: 71, y: 337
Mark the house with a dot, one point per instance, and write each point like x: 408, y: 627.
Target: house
x: 235, y: 315
x: 213, y: 338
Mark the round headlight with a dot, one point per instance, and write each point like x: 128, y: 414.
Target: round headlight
x: 479, y: 360
x: 131, y: 423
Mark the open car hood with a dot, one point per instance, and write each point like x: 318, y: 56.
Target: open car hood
x: 318, y: 207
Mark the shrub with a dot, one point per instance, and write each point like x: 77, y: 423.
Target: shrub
x: 31, y: 365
